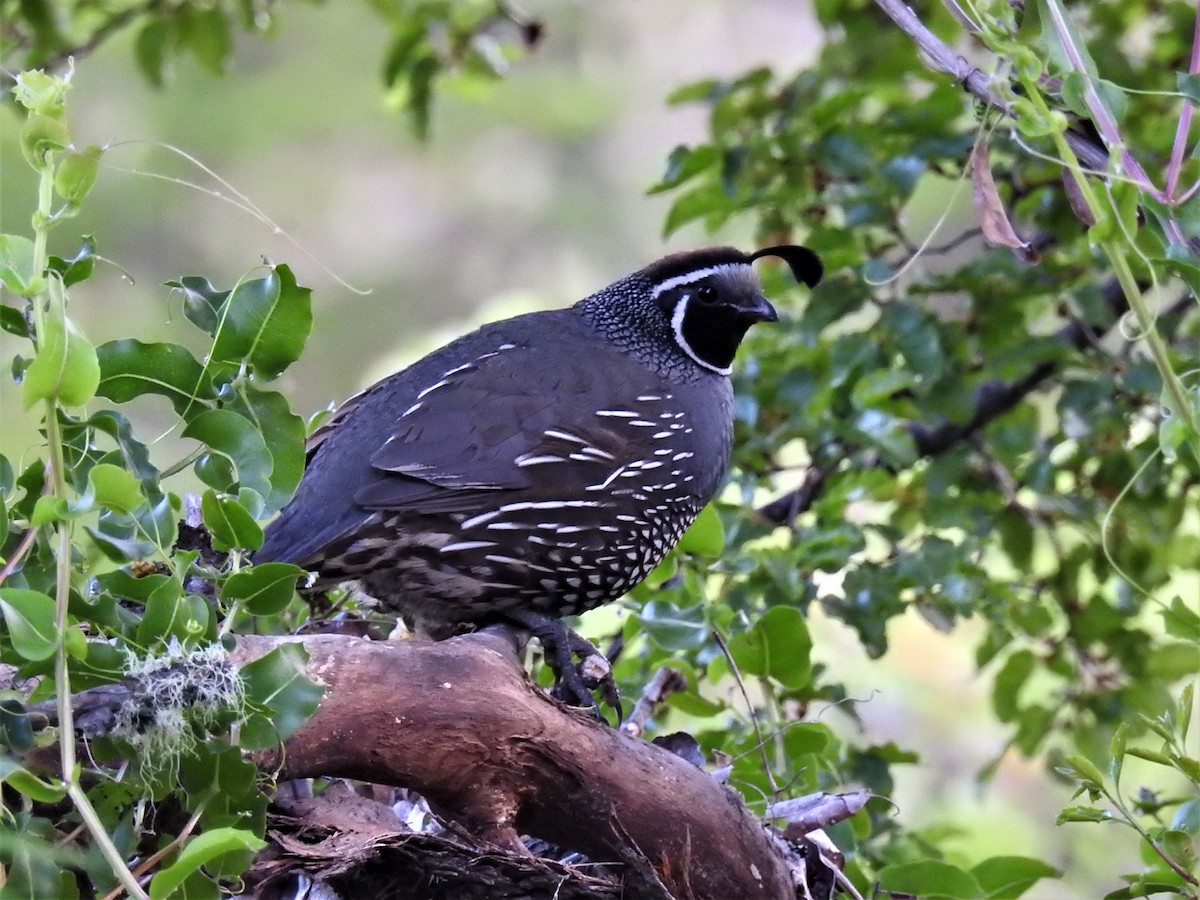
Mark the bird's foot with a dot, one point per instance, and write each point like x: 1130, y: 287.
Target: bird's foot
x: 574, y: 684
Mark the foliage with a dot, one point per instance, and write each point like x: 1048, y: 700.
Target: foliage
x: 107, y: 578
x: 962, y: 425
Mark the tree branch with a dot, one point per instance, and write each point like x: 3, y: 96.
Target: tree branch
x: 992, y: 400
x: 459, y: 722
x: 975, y: 81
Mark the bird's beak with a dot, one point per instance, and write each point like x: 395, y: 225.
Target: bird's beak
x: 758, y: 310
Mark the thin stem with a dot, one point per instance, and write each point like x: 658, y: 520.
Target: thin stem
x: 758, y: 736
x: 1185, y: 119
x: 51, y: 303
x: 1105, y: 123
x: 1129, y: 286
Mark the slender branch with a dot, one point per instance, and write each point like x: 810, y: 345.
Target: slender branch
x: 1105, y: 123
x: 972, y: 79
x: 992, y: 400
x: 64, y: 54
x: 1183, y: 129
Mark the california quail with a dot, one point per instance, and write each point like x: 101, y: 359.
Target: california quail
x: 540, y: 466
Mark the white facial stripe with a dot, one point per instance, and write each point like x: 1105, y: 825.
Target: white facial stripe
x: 677, y: 327
x: 689, y: 277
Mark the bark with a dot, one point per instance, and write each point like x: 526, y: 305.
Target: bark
x: 458, y: 722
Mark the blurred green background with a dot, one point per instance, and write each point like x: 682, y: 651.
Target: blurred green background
x: 529, y: 194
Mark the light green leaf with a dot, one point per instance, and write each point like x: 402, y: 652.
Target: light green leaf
x: 66, y: 367
x: 706, y: 535
x: 29, y: 619
x: 16, y: 264
x: 115, y: 488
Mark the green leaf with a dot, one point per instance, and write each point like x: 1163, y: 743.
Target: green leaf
x: 1117, y: 749
x: 1188, y: 85
x: 12, y: 321
x: 29, y: 618
x: 200, y: 851
x: 236, y: 439
x: 674, y: 627
x: 115, y: 488
x: 284, y: 434
x: 65, y: 368
x: 229, y: 523
x: 1082, y: 814
x: 1084, y: 771
x: 706, y: 535
x: 79, y: 267
x: 889, y: 435
x: 76, y: 173
x: 207, y: 34
x: 150, y: 50
x: 20, y: 778
x: 1009, y: 681
x: 265, y: 589
x: 1006, y: 877
x: 1173, y: 660
x: 264, y: 322
x: 930, y: 880
x: 16, y: 732
x: 130, y: 368
x: 1181, y: 847
x: 1181, y: 620
x: 16, y: 264
x: 778, y: 646
x: 278, y: 683
x: 166, y: 615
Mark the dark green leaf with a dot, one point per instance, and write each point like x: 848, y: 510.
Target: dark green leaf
x: 264, y: 589
x: 150, y: 49
x: 1009, y: 681
x: 79, y: 267
x: 130, y: 368
x: 235, y: 437
x: 1006, y: 877
x: 284, y: 435
x: 278, y: 684
x: 229, y: 524
x: 930, y: 880
x: 674, y: 627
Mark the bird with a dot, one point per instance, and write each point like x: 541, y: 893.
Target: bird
x: 539, y: 466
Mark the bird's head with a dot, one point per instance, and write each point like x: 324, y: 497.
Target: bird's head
x: 699, y: 303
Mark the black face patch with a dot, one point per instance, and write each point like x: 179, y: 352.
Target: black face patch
x: 710, y: 331
x: 709, y: 314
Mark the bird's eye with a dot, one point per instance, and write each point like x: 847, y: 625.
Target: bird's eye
x: 706, y: 293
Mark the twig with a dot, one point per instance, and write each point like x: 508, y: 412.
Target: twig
x: 972, y: 79
x: 666, y: 681
x: 1175, y: 166
x: 22, y: 549
x: 154, y: 859
x: 758, y: 736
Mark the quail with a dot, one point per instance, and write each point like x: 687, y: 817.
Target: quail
x: 540, y: 466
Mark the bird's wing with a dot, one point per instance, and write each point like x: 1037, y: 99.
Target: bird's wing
x: 509, y: 420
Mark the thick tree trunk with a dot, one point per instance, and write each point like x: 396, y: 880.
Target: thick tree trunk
x: 458, y: 722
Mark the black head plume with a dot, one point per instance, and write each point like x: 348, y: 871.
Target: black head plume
x: 804, y: 263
